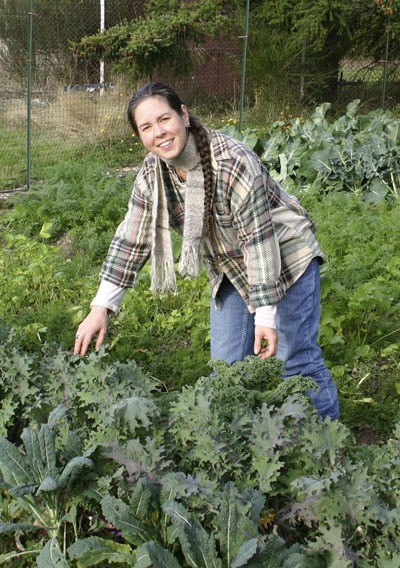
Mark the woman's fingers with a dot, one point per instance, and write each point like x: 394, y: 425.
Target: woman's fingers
x: 94, y: 325
x: 265, y: 341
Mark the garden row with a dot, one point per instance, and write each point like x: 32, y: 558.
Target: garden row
x: 134, y: 455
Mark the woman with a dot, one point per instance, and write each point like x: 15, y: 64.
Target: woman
x: 258, y: 243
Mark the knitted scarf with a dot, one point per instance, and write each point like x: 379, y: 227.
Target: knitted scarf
x: 163, y: 277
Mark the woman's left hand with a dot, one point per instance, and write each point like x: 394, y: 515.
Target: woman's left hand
x: 265, y: 341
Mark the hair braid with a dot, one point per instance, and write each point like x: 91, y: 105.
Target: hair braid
x: 203, y: 147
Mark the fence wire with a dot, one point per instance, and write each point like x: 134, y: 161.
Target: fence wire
x: 73, y: 104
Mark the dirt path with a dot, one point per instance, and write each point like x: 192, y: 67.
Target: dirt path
x: 6, y: 194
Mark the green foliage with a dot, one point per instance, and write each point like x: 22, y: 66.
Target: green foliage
x: 157, y: 41
x: 50, y: 238
x: 180, y: 539
x: 49, y: 295
x: 244, y: 386
x: 106, y: 400
x: 44, y: 488
x: 95, y: 550
x: 296, y: 48
x: 355, y: 152
x: 297, y: 45
x: 216, y: 478
x: 46, y: 287
x: 49, y: 286
x: 360, y: 287
x: 305, y: 22
x: 186, y: 483
x: 83, y: 204
x: 38, y: 275
x: 41, y: 289
x: 346, y: 172
x: 170, y: 334
x: 360, y: 303
x: 220, y: 408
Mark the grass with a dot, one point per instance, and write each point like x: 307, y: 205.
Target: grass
x: 109, y: 141
x: 48, y: 149
x: 91, y: 127
x: 12, y: 158
x: 82, y: 126
x: 72, y: 126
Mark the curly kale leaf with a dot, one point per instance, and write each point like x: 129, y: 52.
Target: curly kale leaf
x: 243, y: 386
x: 292, y: 385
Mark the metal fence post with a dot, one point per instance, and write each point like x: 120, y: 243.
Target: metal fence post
x: 29, y: 95
x: 246, y: 37
x: 102, y: 28
x: 385, y: 72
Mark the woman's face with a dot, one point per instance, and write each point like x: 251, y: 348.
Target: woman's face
x: 161, y: 129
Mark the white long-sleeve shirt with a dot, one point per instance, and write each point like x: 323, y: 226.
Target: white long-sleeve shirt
x: 110, y: 296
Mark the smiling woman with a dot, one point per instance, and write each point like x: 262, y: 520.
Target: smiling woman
x: 258, y: 243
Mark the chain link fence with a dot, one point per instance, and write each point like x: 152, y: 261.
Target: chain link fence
x: 73, y: 103
x: 65, y: 109
x: 374, y: 82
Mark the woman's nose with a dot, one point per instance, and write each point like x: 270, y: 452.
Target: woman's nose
x: 159, y: 130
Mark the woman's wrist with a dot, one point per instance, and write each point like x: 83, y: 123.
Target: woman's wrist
x: 108, y: 296
x: 266, y: 316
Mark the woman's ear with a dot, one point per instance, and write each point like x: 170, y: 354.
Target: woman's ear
x: 185, y: 114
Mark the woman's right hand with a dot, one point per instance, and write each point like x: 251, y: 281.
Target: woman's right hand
x: 94, y: 325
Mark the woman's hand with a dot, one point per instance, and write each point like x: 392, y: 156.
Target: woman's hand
x: 94, y: 325
x: 265, y: 341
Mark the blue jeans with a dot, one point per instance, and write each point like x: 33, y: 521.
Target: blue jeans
x: 298, y: 316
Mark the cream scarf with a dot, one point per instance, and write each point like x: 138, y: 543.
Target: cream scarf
x: 163, y: 277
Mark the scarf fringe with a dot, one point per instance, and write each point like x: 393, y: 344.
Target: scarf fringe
x: 163, y: 279
x: 190, y: 261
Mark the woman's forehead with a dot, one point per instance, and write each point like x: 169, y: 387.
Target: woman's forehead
x: 152, y: 106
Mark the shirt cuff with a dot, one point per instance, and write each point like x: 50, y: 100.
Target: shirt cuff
x: 266, y: 316
x: 108, y: 296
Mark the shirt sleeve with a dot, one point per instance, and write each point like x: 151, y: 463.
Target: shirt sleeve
x: 266, y: 316
x: 130, y: 247
x: 109, y: 296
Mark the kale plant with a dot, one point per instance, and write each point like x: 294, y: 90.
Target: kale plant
x: 245, y: 385
x: 46, y: 489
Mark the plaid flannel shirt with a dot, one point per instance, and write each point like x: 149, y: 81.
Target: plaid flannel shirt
x: 263, y: 239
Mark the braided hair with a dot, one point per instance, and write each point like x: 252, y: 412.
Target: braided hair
x: 198, y: 130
